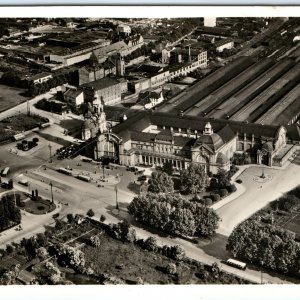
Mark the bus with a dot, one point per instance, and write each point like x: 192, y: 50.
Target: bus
x: 236, y: 264
x: 5, y: 172
x: 84, y: 178
x: 64, y: 171
x: 86, y: 159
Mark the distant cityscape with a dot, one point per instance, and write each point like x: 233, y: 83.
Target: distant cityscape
x: 149, y: 151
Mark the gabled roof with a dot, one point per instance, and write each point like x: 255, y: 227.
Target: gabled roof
x: 73, y: 93
x: 223, y: 42
x: 102, y: 83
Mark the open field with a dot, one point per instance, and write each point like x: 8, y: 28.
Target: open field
x: 10, y: 97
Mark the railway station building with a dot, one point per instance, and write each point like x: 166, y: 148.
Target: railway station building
x: 153, y: 138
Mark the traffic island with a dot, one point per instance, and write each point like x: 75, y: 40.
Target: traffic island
x: 37, y: 205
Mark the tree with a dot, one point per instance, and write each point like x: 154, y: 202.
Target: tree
x: 9, y: 249
x: 122, y: 231
x: 168, y: 168
x: 193, y: 179
x: 95, y: 241
x: 160, y: 182
x: 70, y: 256
x: 90, y: 213
x: 173, y: 214
x: 59, y: 224
x: 267, y: 245
x: 150, y: 244
x: 42, y: 252
x: 182, y: 222
x: 171, y: 269
x: 70, y: 218
x: 41, y: 239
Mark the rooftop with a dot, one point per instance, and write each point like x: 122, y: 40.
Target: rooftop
x: 102, y: 83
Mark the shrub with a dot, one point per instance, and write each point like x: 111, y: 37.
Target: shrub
x: 150, y: 244
x: 40, y: 207
x: 70, y: 218
x: 231, y: 188
x: 122, y: 231
x: 171, y: 269
x: 102, y: 218
x: 95, y: 241
x: 174, y: 252
x: 90, y: 213
x: 215, y: 197
x: 208, y: 201
x: 22, y: 204
x: 239, y: 181
x: 223, y: 193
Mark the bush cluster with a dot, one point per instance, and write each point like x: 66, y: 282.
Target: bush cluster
x: 173, y: 214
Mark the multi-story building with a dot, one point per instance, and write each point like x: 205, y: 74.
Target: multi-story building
x: 156, y: 138
x: 108, y: 89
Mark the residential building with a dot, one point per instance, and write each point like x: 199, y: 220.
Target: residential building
x: 124, y: 29
x: 151, y: 98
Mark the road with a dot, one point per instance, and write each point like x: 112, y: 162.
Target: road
x: 257, y: 194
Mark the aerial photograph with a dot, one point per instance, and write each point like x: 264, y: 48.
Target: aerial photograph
x: 142, y: 151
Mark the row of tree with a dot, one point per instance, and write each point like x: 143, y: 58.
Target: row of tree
x: 266, y: 245
x: 173, y: 214
x: 9, y: 213
x: 52, y: 106
x: 192, y: 181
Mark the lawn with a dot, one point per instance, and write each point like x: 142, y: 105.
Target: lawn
x: 128, y: 262
x: 38, y: 207
x: 10, y: 97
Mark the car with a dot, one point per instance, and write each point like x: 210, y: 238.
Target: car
x: 142, y: 178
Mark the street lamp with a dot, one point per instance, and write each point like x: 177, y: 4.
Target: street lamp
x: 50, y: 147
x: 103, y: 170
x: 117, y: 204
x: 51, y: 186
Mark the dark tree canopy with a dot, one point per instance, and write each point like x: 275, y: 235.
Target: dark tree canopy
x: 193, y: 179
x: 267, y: 245
x: 160, y: 182
x: 173, y: 214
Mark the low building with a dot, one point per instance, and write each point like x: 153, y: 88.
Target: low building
x: 224, y: 44
x: 124, y: 29
x: 40, y: 78
x: 150, y: 99
x: 74, y: 97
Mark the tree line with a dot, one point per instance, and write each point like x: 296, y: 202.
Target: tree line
x: 173, y: 214
x: 9, y: 213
